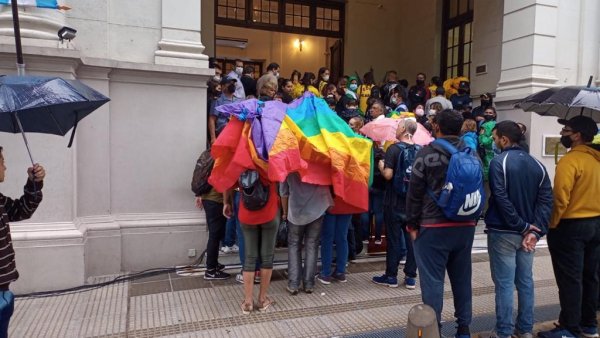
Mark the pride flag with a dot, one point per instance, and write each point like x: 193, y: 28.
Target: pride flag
x: 305, y: 137
x: 34, y: 3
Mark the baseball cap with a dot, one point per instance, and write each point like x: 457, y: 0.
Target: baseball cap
x: 228, y: 79
x: 581, y: 124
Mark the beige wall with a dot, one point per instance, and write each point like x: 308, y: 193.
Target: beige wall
x: 487, y: 45
x: 393, y: 34
x: 208, y: 26
x: 276, y: 47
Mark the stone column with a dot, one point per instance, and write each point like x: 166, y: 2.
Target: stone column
x: 181, y: 43
x: 529, y: 45
x: 39, y: 26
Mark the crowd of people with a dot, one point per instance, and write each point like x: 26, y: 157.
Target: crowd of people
x: 405, y: 201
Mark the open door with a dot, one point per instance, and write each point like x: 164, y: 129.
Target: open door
x: 336, y: 60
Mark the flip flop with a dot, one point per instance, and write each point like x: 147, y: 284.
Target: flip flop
x: 246, y: 308
x: 265, y: 304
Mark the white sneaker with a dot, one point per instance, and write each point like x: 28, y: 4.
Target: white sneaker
x: 226, y: 249
x: 234, y: 248
x: 239, y: 278
x: 378, y: 242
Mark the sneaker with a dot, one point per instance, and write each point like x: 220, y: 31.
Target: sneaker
x: 525, y: 335
x: 216, y: 275
x: 589, y: 331
x: 309, y: 290
x: 557, y: 332
x: 220, y: 267
x: 410, y: 283
x: 366, y: 241
x: 378, y: 242
x: 239, y: 278
x: 391, y: 282
x: 257, y: 277
x: 462, y: 332
x: 234, y: 248
x: 492, y: 334
x: 226, y: 249
x: 340, y: 277
x: 325, y: 280
x: 403, y: 261
x: 292, y: 291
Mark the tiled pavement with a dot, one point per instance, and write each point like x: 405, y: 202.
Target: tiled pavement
x: 175, y: 306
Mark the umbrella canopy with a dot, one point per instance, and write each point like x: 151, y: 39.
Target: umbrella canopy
x: 564, y: 102
x: 384, y: 130
x: 48, y: 105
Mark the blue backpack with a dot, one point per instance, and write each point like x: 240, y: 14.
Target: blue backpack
x: 403, y: 167
x: 462, y: 198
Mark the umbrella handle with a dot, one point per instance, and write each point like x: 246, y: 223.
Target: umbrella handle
x: 24, y: 138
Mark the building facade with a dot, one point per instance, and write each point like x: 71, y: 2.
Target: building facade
x: 119, y: 200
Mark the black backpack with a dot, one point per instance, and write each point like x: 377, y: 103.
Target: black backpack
x: 204, y: 166
x: 403, y: 168
x: 254, y: 194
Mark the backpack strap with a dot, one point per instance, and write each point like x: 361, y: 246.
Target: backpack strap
x: 447, y: 146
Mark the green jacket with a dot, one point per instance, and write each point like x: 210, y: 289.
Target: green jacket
x: 487, y: 143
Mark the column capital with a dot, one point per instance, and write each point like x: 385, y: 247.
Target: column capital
x: 181, y: 44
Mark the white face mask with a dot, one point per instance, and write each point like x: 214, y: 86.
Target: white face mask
x: 239, y: 70
x: 432, y: 111
x: 276, y: 74
x: 325, y: 78
x: 419, y: 112
x: 217, y: 78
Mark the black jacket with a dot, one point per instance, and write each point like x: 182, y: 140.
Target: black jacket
x: 521, y: 193
x: 429, y: 172
x: 249, y: 85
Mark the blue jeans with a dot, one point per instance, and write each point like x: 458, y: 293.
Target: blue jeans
x: 375, y: 209
x: 511, y: 266
x: 230, y: 231
x: 7, y: 307
x: 438, y: 250
x: 396, y: 245
x: 310, y: 235
x: 335, y: 230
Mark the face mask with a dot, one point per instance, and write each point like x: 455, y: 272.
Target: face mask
x: 488, y: 117
x: 231, y: 87
x: 325, y: 78
x: 419, y: 112
x: 462, y: 91
x: 353, y: 87
x: 566, y: 141
x: 239, y: 70
x: 432, y: 111
x: 276, y: 74
x: 351, y: 108
x: 330, y: 96
x: 485, y: 103
x: 217, y: 78
x: 420, y: 83
x: 394, y: 100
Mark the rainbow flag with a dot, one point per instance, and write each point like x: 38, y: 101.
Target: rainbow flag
x: 305, y: 137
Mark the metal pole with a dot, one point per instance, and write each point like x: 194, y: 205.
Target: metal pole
x: 590, y: 81
x: 17, y: 27
x: 24, y: 138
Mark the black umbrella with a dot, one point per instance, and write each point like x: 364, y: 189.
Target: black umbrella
x: 48, y: 105
x: 564, y: 102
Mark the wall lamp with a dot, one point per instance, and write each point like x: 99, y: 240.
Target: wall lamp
x: 298, y: 43
x: 67, y: 33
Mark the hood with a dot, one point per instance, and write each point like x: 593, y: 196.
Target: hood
x: 592, y: 149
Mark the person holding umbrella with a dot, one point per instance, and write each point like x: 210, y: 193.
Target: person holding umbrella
x: 574, y: 235
x: 13, y: 211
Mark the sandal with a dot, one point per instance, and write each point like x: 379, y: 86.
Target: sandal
x: 264, y: 305
x: 247, y: 308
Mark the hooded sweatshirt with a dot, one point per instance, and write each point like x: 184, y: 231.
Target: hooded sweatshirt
x: 577, y: 184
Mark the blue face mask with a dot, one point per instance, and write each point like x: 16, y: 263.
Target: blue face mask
x: 353, y: 87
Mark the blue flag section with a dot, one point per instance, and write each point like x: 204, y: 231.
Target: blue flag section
x: 33, y: 3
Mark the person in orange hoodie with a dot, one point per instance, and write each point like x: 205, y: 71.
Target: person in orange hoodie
x: 574, y: 235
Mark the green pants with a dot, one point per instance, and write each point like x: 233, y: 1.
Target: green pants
x: 259, y: 241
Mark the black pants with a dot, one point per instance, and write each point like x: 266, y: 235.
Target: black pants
x: 216, y: 231
x: 575, y: 251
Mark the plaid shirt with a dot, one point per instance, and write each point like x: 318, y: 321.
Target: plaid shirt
x: 14, y: 211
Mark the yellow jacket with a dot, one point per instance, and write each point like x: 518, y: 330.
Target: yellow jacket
x: 577, y: 184
x: 299, y: 91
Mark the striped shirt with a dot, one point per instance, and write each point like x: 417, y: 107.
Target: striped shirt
x: 14, y: 211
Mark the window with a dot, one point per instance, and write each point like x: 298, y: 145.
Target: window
x: 457, y: 37
x: 297, y: 15
x: 231, y: 9
x: 265, y: 11
x: 328, y: 19
x: 322, y: 18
